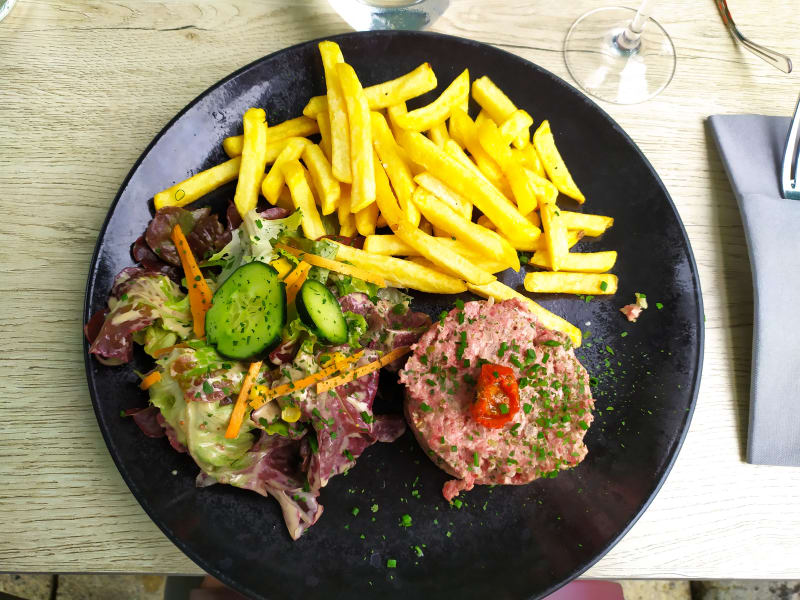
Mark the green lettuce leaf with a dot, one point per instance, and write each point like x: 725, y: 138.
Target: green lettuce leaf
x: 200, y: 426
x: 166, y: 301
x: 346, y: 284
x: 356, y: 328
x: 323, y: 248
x: 252, y: 241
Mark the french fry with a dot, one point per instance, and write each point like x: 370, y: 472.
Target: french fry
x: 555, y: 235
x: 303, y: 198
x: 591, y: 225
x: 348, y: 228
x: 403, y: 88
x: 454, y: 151
x: 388, y: 245
x: 299, y: 127
x: 391, y: 245
x: 394, y: 112
x: 516, y: 126
x: 327, y: 186
x: 395, y: 165
x: 437, y: 111
x: 455, y: 201
x: 528, y: 158
x: 402, y: 273
x: 425, y: 227
x: 254, y: 160
x: 521, y: 187
x: 493, y: 144
x: 482, y: 117
x: 463, y: 128
x: 382, y: 95
x: 272, y: 184
x: 366, y: 219
x: 444, y: 258
x: 487, y: 198
x: 315, y: 106
x: 588, y: 262
x: 324, y: 124
x: 438, y: 134
x: 492, y: 99
x: 362, y: 193
x: 337, y: 111
x: 478, y: 238
x: 487, y: 265
x: 274, y: 148
x: 543, y: 189
x: 573, y: 237
x: 384, y: 196
x: 496, y: 147
x: 421, y: 260
x: 198, y: 185
x: 347, y: 221
x: 557, y: 171
x: 546, y: 282
x: 534, y: 218
x: 499, y: 291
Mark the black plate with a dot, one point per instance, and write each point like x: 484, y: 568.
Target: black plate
x: 507, y: 542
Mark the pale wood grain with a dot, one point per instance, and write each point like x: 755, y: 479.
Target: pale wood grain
x: 84, y: 86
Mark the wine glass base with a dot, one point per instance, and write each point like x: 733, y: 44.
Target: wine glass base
x: 371, y: 15
x: 604, y: 69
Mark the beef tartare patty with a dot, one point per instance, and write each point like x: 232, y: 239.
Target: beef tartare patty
x: 546, y: 433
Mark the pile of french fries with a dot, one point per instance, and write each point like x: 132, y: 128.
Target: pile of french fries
x: 422, y: 173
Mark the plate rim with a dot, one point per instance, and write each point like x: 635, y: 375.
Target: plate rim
x: 569, y: 88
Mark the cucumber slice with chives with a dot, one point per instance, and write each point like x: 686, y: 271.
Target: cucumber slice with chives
x: 320, y: 310
x: 247, y: 312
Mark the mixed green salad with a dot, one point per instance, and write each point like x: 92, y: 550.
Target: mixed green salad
x: 234, y: 393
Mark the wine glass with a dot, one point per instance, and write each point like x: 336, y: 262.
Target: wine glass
x: 5, y: 7
x: 368, y: 15
x: 619, y: 54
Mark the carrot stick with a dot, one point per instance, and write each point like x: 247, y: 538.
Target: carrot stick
x: 333, y: 265
x: 294, y: 386
x: 150, y: 379
x: 334, y: 382
x: 199, y: 292
x: 237, y: 416
x: 295, y: 280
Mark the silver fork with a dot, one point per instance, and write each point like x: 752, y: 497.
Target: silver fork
x: 776, y: 59
x: 790, y: 167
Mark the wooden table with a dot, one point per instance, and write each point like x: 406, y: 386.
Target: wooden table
x: 85, y: 85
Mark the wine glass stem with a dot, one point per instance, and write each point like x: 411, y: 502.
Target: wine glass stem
x: 630, y: 38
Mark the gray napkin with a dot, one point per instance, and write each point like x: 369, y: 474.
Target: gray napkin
x: 751, y: 147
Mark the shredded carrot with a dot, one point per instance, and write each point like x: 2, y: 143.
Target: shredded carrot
x: 333, y: 265
x: 349, y: 376
x: 199, y: 292
x: 288, y: 388
x: 237, y: 416
x: 295, y: 280
x: 150, y: 379
x: 299, y: 271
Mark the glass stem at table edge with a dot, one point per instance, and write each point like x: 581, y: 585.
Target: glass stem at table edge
x: 630, y: 39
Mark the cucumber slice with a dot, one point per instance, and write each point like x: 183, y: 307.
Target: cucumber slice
x: 320, y: 309
x: 247, y: 312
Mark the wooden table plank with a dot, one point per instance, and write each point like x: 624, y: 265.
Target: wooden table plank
x: 84, y: 87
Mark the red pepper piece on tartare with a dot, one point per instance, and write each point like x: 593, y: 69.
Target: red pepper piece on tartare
x: 498, y: 396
